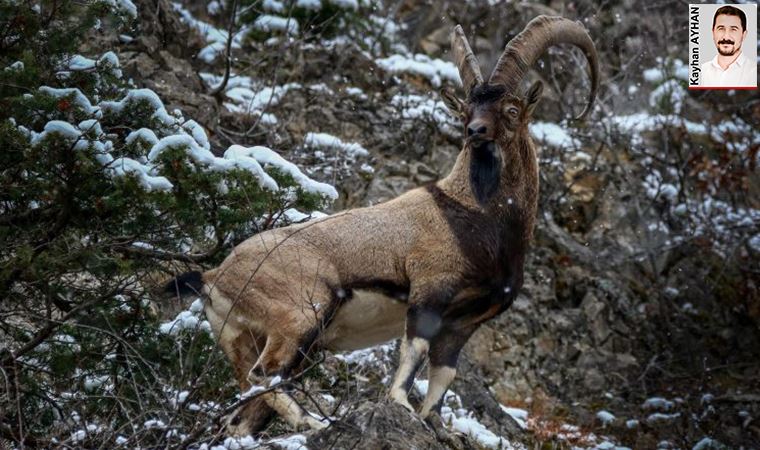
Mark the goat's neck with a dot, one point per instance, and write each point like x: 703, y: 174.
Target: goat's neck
x: 518, y: 181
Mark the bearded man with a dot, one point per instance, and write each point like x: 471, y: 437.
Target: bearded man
x: 730, y: 67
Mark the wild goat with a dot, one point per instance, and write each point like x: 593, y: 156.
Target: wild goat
x: 430, y: 266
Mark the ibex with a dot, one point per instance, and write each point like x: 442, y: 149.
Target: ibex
x: 429, y: 266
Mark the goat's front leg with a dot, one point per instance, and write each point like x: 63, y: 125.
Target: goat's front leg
x: 422, y: 324
x: 444, y: 353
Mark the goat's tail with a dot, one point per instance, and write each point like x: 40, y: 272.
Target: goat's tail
x: 188, y: 283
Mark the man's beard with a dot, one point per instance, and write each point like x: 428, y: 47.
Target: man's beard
x: 730, y: 52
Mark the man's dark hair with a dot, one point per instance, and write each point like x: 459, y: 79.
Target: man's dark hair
x: 731, y: 11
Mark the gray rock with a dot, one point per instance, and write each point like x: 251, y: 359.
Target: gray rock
x: 384, y: 425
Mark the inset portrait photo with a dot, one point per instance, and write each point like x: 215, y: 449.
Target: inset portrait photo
x: 722, y: 46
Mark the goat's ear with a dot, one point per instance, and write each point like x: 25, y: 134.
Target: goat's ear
x: 534, y: 94
x: 452, y: 102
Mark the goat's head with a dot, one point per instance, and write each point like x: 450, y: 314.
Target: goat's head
x: 494, y: 112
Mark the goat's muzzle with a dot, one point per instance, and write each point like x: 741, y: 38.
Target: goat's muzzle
x: 480, y: 143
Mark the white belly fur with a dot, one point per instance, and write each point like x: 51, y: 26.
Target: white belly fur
x: 368, y: 319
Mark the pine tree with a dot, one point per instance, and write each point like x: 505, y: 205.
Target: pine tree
x: 103, y: 194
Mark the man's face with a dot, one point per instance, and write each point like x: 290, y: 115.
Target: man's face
x: 728, y: 34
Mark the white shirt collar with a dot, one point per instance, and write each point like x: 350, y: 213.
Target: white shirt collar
x: 739, y: 61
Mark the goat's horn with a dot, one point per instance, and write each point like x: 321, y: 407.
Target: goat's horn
x: 541, y: 33
x: 466, y: 62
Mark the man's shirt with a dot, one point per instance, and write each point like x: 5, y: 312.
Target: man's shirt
x: 742, y: 72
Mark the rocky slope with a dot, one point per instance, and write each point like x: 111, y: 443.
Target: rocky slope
x: 623, y: 301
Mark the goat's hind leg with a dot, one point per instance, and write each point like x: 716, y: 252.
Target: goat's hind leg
x: 242, y: 346
x: 279, y: 360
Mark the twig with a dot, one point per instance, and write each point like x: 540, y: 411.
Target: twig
x: 218, y: 90
x: 243, y: 401
x: 171, y: 256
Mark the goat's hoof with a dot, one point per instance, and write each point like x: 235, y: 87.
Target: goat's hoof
x: 233, y: 425
x: 317, y: 424
x: 401, y: 400
x: 249, y: 419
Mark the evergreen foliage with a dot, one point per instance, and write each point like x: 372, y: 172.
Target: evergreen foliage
x: 91, y: 222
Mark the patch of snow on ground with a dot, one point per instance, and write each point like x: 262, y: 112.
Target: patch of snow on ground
x: 519, y: 415
x: 246, y: 100
x: 707, y: 443
x: 461, y: 420
x: 216, y: 38
x: 294, y: 442
x: 367, y: 356
x: 605, y: 417
x: 661, y: 417
x: 434, y: 70
x: 658, y: 403
x: 324, y: 140
x: 356, y: 92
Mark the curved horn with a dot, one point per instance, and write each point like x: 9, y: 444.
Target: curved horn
x: 466, y: 62
x: 541, y: 33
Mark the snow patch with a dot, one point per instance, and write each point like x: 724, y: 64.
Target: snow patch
x: 669, y: 96
x: 605, y: 417
x: 435, y: 70
x: 124, y: 6
x: 552, y: 134
x: 294, y: 442
x: 269, y: 23
x: 519, y: 415
x: 75, y: 95
x: 265, y: 156
x: 661, y: 417
x: 141, y: 95
x: 658, y: 403
x: 185, y: 320
x: 416, y: 107
x: 324, y: 140
x: 707, y: 443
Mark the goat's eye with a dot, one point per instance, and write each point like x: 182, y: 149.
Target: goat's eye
x: 512, y: 111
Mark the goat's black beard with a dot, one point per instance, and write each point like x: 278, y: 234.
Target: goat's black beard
x: 485, y: 170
